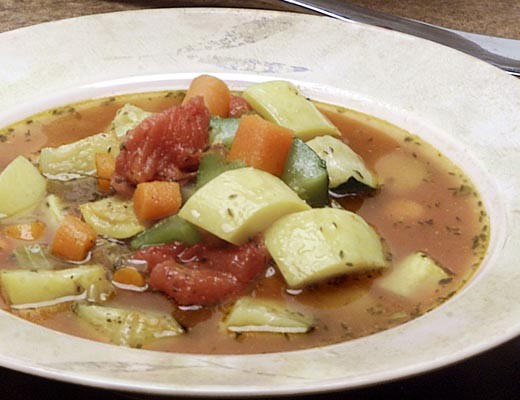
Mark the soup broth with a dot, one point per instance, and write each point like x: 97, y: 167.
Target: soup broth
x: 425, y: 203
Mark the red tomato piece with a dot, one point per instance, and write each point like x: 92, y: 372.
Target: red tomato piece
x: 238, y: 106
x: 204, y: 274
x: 166, y: 146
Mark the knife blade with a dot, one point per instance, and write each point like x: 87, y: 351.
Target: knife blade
x: 500, y: 52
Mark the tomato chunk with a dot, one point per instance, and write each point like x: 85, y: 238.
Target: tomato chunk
x: 166, y: 146
x: 238, y: 106
x: 204, y: 274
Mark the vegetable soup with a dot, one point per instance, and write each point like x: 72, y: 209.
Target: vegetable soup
x: 213, y: 222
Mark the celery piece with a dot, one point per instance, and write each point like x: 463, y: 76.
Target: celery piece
x: 23, y: 288
x: 113, y: 217
x: 56, y: 208
x: 344, y: 166
x: 32, y: 256
x: 171, y: 229
x: 240, y: 203
x: 317, y: 244
x: 128, y: 327
x: 127, y: 118
x: 417, y: 274
x: 21, y: 187
x: 223, y: 130
x: 306, y: 174
x: 77, y: 159
x: 255, y: 315
x: 281, y: 102
x: 212, y: 164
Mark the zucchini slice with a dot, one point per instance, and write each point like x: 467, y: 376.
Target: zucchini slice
x: 126, y: 327
x: 23, y: 288
x: 306, y: 173
x: 77, y: 159
x: 113, y: 217
x: 318, y: 244
x: 254, y: 315
x: 127, y: 118
x: 348, y: 174
x: 281, y: 102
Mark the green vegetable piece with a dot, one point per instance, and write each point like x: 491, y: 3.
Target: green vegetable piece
x: 127, y: 118
x: 240, y: 203
x: 113, y: 217
x: 171, y: 229
x: 321, y: 243
x: 126, y: 327
x: 21, y: 187
x: 417, y: 274
x: 342, y: 162
x: 306, y: 174
x: 254, y: 315
x: 32, y: 256
x: 212, y: 164
x: 281, y: 102
x: 77, y: 159
x: 23, y: 288
x: 223, y: 130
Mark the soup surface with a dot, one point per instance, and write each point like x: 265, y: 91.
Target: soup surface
x: 423, y: 203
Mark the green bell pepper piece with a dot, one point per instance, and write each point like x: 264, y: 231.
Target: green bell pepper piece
x: 171, y: 229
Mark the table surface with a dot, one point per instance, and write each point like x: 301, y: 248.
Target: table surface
x: 491, y: 375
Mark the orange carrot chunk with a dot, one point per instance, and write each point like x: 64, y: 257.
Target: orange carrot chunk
x: 129, y: 276
x: 105, y: 167
x: 73, y: 239
x: 157, y: 199
x: 215, y: 93
x: 261, y: 144
x: 29, y: 231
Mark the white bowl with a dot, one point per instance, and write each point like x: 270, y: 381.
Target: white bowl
x: 469, y: 110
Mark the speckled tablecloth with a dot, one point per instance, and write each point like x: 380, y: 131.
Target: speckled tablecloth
x: 492, y: 375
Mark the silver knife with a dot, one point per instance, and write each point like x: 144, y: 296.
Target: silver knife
x: 500, y: 52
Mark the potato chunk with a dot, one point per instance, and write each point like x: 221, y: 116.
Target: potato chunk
x: 414, y: 275
x: 281, y: 102
x: 21, y: 187
x: 239, y: 203
x: 314, y: 245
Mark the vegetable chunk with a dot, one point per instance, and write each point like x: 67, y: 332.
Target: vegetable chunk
x: 318, y: 244
x: 157, y: 199
x: 73, y: 239
x: 281, y: 102
x: 128, y: 327
x: 214, y: 91
x: 342, y: 162
x: 29, y: 289
x: 77, y: 159
x: 112, y: 216
x: 416, y: 274
x: 21, y: 187
x: 261, y: 144
x: 254, y: 315
x: 240, y: 203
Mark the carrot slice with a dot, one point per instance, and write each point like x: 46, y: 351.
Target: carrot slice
x: 129, y: 276
x: 214, y: 91
x: 73, y: 239
x: 29, y: 231
x: 157, y: 199
x: 105, y: 167
x: 261, y: 144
